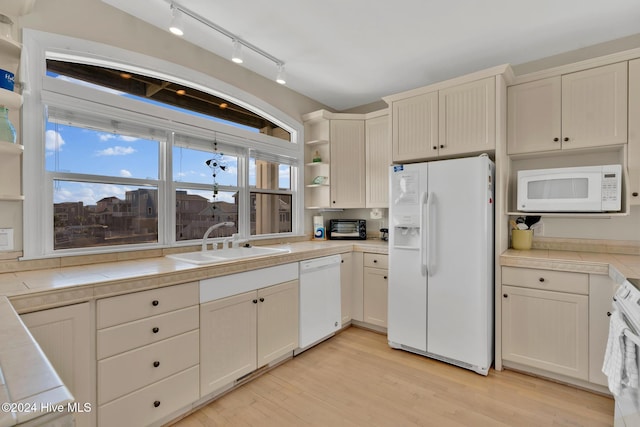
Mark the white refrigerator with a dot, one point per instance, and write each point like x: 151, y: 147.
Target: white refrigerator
x: 441, y: 260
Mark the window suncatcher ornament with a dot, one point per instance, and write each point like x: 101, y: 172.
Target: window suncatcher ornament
x: 216, y: 164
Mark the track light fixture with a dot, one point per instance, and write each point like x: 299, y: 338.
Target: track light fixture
x: 177, y: 28
x: 280, y: 77
x: 237, y: 52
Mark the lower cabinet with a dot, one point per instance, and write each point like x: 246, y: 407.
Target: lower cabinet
x: 375, y: 294
x: 65, y: 336
x: 556, y: 321
x: 346, y: 286
x: 148, y: 355
x: 241, y: 333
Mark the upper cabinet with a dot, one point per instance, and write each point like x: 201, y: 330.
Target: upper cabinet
x: 347, y: 157
x: 377, y: 161
x: 447, y: 119
x: 577, y: 110
x: 467, y: 118
x: 633, y: 154
x: 347, y: 164
x: 415, y: 127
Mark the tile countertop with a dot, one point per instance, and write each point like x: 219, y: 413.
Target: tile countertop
x: 52, y: 287
x: 618, y: 266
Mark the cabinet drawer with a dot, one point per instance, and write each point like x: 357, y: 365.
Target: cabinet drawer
x: 376, y: 260
x: 152, y: 403
x: 124, y: 373
x: 121, y: 338
x: 550, y: 280
x: 138, y: 305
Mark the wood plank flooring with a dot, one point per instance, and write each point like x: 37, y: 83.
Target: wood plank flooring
x: 355, y: 379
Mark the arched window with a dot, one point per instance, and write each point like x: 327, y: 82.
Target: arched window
x: 149, y: 151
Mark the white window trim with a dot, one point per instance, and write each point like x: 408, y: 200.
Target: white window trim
x: 38, y: 46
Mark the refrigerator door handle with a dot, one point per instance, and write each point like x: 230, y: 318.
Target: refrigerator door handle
x: 424, y: 207
x: 430, y: 237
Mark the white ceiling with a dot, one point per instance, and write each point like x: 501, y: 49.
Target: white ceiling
x: 346, y: 53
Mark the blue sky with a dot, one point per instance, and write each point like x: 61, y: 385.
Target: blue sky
x: 85, y: 151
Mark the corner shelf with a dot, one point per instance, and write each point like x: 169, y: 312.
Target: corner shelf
x: 11, y: 100
x: 11, y: 148
x: 11, y: 198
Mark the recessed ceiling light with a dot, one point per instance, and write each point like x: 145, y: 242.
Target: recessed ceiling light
x: 180, y: 92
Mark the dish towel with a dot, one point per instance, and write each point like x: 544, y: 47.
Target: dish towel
x: 620, y: 364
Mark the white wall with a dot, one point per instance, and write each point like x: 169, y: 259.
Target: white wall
x: 612, y: 228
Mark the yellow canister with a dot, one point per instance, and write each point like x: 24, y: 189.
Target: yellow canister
x: 521, y: 239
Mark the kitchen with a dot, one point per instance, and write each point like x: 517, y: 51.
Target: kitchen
x: 54, y: 19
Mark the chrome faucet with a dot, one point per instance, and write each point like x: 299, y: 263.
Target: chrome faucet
x: 210, y: 229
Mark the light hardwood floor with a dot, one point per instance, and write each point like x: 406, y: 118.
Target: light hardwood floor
x: 355, y: 379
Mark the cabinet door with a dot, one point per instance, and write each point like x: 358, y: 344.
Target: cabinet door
x: 375, y: 296
x: 633, y: 154
x: 601, y: 291
x: 414, y: 124
x: 533, y: 116
x: 346, y: 279
x: 227, y: 340
x: 64, y: 334
x: 347, y: 164
x: 378, y: 160
x: 594, y: 107
x: 546, y: 330
x: 277, y: 321
x: 467, y: 118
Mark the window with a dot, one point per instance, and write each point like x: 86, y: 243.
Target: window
x: 126, y: 169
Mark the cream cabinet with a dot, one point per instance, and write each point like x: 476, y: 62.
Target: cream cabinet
x: 241, y: 333
x: 377, y: 162
x: 147, y: 351
x: 545, y: 320
x: 375, y: 292
x: 66, y: 338
x: 467, y: 118
x: 347, y: 164
x: 633, y: 154
x: 346, y: 286
x: 414, y: 124
x: 577, y: 110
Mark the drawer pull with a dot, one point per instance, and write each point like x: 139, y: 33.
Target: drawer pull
x: 155, y: 330
x: 156, y: 364
x: 156, y: 403
x: 375, y: 261
x: 155, y: 302
x: 261, y: 299
x: 385, y: 277
x: 505, y: 295
x: 541, y: 279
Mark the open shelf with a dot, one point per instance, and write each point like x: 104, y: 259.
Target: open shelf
x: 11, y: 148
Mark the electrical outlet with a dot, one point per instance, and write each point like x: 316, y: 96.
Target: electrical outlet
x: 376, y: 213
x: 6, y: 239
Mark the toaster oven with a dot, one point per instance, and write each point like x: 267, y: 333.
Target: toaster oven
x: 347, y: 229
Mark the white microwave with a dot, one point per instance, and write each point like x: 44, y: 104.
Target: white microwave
x: 575, y: 189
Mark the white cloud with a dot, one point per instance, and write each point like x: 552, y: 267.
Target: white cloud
x: 116, y: 151
x: 109, y: 136
x: 125, y: 173
x: 53, y: 141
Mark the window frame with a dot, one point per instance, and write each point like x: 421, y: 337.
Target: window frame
x: 40, y: 90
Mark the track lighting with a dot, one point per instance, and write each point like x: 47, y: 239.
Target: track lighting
x: 176, y: 26
x: 280, y: 77
x: 237, y: 52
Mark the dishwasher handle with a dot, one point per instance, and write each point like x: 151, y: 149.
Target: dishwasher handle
x: 319, y: 263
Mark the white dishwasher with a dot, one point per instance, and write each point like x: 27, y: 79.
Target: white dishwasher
x: 320, y: 315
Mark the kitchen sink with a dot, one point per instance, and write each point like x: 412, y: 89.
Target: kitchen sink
x: 230, y: 254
